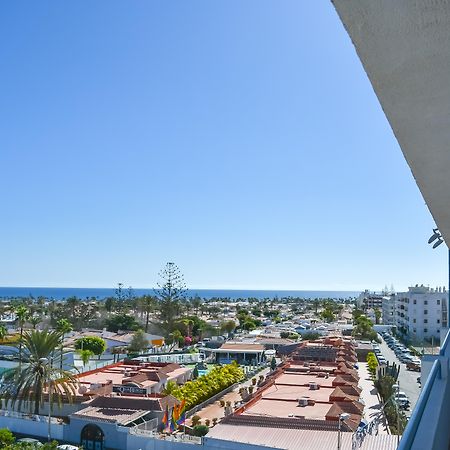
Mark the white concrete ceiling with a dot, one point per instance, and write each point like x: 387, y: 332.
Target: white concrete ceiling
x: 404, y: 46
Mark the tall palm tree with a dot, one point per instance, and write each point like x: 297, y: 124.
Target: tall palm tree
x: 36, y: 377
x: 22, y: 314
x: 147, y: 306
x: 3, y: 332
x: 63, y: 326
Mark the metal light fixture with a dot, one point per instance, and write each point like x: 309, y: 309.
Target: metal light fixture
x: 436, y: 236
x: 342, y: 418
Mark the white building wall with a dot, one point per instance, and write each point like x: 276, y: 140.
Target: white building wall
x: 420, y: 313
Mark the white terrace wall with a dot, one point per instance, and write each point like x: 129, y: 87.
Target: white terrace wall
x: 37, y: 428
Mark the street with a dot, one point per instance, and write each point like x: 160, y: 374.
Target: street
x: 407, y: 379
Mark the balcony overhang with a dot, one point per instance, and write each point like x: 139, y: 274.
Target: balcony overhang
x: 404, y: 47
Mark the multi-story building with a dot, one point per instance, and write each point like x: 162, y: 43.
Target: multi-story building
x: 388, y: 310
x: 369, y: 300
x: 421, y: 313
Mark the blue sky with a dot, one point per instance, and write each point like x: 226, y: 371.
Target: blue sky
x: 240, y: 139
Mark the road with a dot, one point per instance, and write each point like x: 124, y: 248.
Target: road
x: 407, y: 378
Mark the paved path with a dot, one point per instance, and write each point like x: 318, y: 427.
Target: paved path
x: 369, y: 396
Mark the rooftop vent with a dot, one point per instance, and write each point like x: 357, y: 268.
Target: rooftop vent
x: 313, y: 386
x: 303, y: 402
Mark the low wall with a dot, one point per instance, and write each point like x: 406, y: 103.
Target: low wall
x: 142, y: 442
x: 37, y: 428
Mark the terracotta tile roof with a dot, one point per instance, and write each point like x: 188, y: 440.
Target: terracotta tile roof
x: 116, y: 415
x: 128, y: 402
x: 340, y: 393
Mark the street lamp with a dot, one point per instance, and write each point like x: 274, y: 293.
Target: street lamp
x: 342, y: 418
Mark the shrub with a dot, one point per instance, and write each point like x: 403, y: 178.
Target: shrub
x: 207, y: 422
x: 253, y: 381
x: 200, y: 430
x: 6, y: 437
x: 219, y: 378
x: 372, y: 364
x: 196, y: 420
x: 222, y: 403
x: 215, y: 419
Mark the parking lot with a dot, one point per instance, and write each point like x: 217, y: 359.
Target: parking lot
x: 407, y: 379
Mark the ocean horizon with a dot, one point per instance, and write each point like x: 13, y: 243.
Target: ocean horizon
x: 101, y: 293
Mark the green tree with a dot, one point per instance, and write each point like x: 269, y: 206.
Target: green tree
x: 124, y: 322
x: 377, y: 315
x: 3, y: 332
x: 147, y: 305
x: 35, y: 321
x: 249, y: 325
x: 6, y: 437
x: 171, y: 290
x: 228, y: 327
x: 364, y: 329
x: 273, y: 363
x: 63, y: 326
x: 310, y: 336
x: 138, y: 343
x: 31, y: 381
x: 22, y: 314
x: 85, y: 355
x: 95, y: 344
x: 170, y: 388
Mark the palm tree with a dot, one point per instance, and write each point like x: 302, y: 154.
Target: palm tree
x: 30, y: 381
x: 147, y: 306
x: 22, y: 314
x: 85, y: 355
x: 35, y: 320
x: 63, y: 326
x: 3, y: 332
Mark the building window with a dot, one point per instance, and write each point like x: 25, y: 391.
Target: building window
x: 425, y: 330
x: 414, y: 330
x: 414, y: 320
x: 425, y: 311
x: 415, y: 302
x: 425, y: 320
x: 425, y: 302
x: 438, y: 302
x: 438, y: 331
x: 438, y: 321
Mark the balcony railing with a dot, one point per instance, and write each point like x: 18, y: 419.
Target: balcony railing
x: 432, y: 408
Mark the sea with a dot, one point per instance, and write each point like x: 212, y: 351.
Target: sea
x: 233, y: 294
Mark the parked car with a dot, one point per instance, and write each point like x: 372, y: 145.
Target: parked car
x: 402, y: 399
x: 413, y: 366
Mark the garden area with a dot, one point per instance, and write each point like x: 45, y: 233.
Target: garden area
x: 219, y: 378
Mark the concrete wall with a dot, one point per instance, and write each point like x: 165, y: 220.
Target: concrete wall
x: 115, y: 437
x: 38, y: 429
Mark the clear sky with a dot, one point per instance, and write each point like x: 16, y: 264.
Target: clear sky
x: 240, y: 139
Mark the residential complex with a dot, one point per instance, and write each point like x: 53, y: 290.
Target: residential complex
x: 421, y: 313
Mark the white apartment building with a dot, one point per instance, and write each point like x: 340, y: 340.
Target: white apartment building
x: 421, y: 313
x: 388, y: 310
x: 369, y: 300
